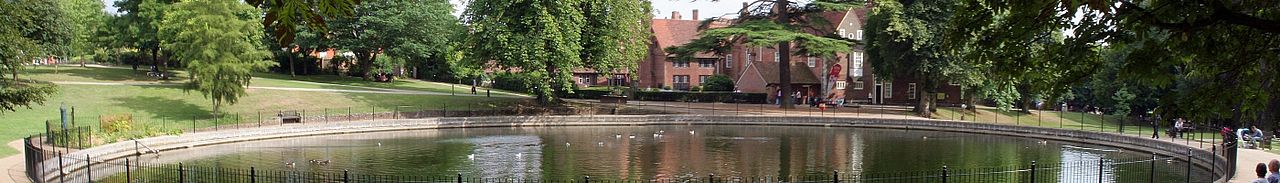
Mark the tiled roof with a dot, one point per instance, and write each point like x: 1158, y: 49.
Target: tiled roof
x: 671, y: 32
x: 800, y: 74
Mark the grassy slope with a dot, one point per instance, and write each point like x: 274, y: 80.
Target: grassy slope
x: 1057, y: 119
x: 162, y: 104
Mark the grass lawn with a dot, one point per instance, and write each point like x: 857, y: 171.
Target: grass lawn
x: 172, y: 107
x: 1068, y: 120
x: 400, y: 84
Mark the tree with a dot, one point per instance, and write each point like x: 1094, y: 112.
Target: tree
x: 33, y: 29
x: 545, y: 40
x: 1216, y: 57
x: 763, y: 25
x: 143, y: 19
x: 282, y: 17
x: 218, y: 43
x: 410, y: 30
x: 903, y: 41
x: 85, y: 18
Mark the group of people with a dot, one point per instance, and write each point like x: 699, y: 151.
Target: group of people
x: 1268, y: 172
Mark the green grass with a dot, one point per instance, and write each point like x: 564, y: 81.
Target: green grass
x: 400, y: 84
x: 1068, y: 120
x: 172, y: 107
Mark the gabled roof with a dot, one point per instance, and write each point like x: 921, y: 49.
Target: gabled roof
x: 800, y: 74
x: 672, y: 32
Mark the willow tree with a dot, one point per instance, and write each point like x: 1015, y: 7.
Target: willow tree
x: 543, y: 41
x: 777, y: 23
x: 220, y: 45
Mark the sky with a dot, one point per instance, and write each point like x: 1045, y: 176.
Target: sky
x: 662, y: 8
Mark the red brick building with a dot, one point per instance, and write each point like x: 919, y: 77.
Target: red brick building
x: 845, y: 78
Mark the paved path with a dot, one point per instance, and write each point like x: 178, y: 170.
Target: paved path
x: 378, y: 90
x: 1248, y: 160
x: 13, y: 170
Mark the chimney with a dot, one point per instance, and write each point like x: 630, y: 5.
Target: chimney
x: 695, y: 14
x: 675, y: 15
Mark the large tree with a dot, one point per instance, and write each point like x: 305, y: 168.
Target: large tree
x: 220, y: 45
x: 777, y: 23
x: 1218, y: 56
x: 85, y: 18
x: 34, y: 29
x: 544, y: 40
x: 142, y: 18
x: 412, y: 30
x: 904, y: 41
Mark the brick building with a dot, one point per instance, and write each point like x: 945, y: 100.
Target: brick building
x: 846, y: 77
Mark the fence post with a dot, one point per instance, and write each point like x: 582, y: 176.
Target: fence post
x: 835, y: 176
x: 346, y: 176
x: 1100, y: 172
x: 128, y: 174
x: 1033, y: 171
x: 1152, y: 169
x: 711, y: 178
x: 944, y: 173
x: 62, y: 174
x: 259, y: 118
x: 1213, y: 161
x: 1188, y: 165
x: 182, y: 176
x: 586, y: 179
x: 459, y: 177
x: 88, y: 168
x: 253, y: 175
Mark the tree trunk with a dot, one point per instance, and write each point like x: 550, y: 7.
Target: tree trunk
x: 154, y: 61
x: 784, y: 59
x: 289, y: 56
x: 1267, y: 115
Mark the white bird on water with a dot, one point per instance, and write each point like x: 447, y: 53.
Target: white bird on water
x: 471, y: 157
x: 691, y: 132
x: 617, y: 136
x: 632, y: 136
x: 379, y: 144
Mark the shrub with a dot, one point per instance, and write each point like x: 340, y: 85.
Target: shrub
x: 116, y: 123
x: 512, y: 82
x: 718, y: 83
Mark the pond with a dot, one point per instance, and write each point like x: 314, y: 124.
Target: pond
x: 673, y: 153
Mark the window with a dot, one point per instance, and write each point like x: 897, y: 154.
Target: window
x: 680, y: 79
x: 812, y: 62
x: 843, y: 34
x: 953, y: 83
x: 751, y: 57
x: 706, y: 63
x: 587, y: 79
x: 681, y: 63
x: 911, y: 90
x: 857, y: 85
x: 855, y: 70
x: 728, y: 61
x: 618, y: 80
x: 859, y: 36
x: 841, y: 84
x: 777, y: 56
x: 887, y: 88
x: 703, y: 79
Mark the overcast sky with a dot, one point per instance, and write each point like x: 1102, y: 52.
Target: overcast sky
x: 662, y: 8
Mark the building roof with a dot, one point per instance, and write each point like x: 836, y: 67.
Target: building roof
x: 800, y: 74
x: 673, y: 32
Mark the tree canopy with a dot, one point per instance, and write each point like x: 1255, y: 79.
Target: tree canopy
x: 408, y: 30
x: 545, y: 40
x: 34, y: 29
x: 218, y: 43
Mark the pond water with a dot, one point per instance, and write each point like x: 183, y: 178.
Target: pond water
x: 647, y: 153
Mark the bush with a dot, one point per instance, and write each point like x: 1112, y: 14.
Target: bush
x: 512, y: 82
x: 718, y: 83
x: 116, y: 123
x: 726, y: 97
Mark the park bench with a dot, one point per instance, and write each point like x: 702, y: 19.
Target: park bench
x: 289, y: 117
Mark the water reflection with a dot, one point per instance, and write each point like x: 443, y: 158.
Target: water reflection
x: 666, y: 153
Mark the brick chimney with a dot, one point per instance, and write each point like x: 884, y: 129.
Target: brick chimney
x: 695, y: 14
x: 675, y: 15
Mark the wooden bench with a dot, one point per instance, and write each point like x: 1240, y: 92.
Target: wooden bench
x: 289, y: 117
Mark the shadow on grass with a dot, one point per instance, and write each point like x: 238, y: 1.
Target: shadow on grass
x: 92, y: 73
x: 162, y: 107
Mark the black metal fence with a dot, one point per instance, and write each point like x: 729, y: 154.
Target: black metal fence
x: 45, y: 152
